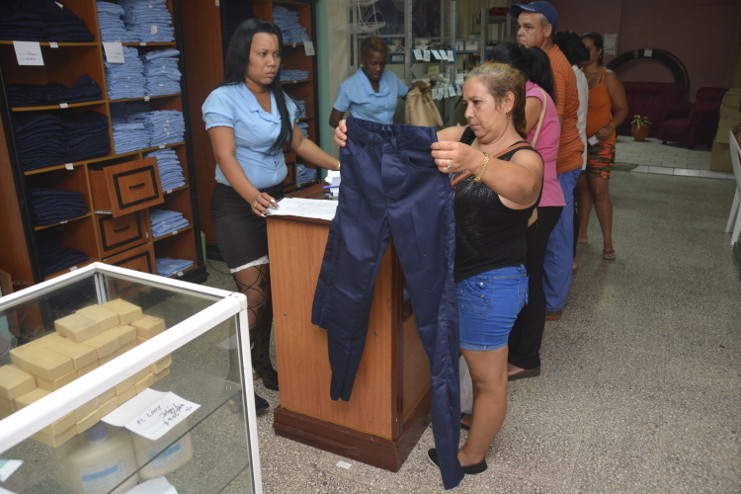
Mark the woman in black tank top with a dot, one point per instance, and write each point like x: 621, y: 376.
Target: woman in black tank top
x: 497, y: 177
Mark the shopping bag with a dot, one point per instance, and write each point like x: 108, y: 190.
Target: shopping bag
x: 421, y: 110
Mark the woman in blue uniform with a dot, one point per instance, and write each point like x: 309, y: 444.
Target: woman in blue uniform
x: 372, y: 92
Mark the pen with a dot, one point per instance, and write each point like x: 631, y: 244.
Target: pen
x: 331, y: 187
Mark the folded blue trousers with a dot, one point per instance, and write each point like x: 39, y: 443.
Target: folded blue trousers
x: 391, y: 188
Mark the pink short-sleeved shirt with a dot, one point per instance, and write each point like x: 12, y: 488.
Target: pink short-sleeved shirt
x: 547, y: 146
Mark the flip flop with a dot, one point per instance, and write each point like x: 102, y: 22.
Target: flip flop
x: 608, y: 254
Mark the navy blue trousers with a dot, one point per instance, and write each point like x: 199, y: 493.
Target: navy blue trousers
x: 391, y: 188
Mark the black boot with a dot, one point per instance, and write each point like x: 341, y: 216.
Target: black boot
x: 261, y: 404
x: 261, y: 356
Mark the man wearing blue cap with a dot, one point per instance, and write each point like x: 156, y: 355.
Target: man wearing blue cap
x: 537, y: 22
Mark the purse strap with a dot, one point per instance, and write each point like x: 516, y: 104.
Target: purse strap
x: 540, y: 120
x: 513, y: 147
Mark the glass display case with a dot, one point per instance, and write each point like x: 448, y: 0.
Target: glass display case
x: 126, y: 380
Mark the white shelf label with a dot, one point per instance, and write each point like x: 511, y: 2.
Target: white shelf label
x: 28, y: 52
x: 73, y: 268
x: 113, y: 52
x: 309, y: 48
x: 53, y: 44
x: 63, y: 105
x: 69, y: 166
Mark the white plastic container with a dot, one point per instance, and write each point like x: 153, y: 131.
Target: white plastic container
x: 102, y: 460
x: 164, y: 459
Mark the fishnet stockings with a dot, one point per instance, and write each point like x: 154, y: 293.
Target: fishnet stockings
x: 254, y: 282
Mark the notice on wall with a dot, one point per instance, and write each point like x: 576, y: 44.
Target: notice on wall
x: 609, y: 46
x: 151, y: 414
x: 28, y: 52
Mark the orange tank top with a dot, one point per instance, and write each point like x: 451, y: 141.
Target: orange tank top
x: 599, y: 113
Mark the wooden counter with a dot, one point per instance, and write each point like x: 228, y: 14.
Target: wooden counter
x: 388, y: 410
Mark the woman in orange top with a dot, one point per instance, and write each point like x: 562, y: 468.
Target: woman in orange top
x: 608, y: 107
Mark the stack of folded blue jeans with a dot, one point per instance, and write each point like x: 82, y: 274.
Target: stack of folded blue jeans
x: 111, y: 24
x: 305, y: 175
x: 294, y: 75
x: 126, y: 80
x: 171, y: 173
x: 162, y: 72
x: 40, y: 20
x: 86, y: 136
x: 40, y: 138
x: 84, y: 89
x: 149, y: 19
x: 165, y: 127
x: 52, y: 255
x: 288, y: 22
x: 165, y: 222
x: 168, y: 267
x: 48, y: 139
x: 49, y: 206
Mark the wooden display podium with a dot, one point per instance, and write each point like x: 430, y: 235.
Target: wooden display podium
x: 388, y: 409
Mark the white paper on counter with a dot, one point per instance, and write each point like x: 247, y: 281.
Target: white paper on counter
x: 305, y: 208
x: 160, y: 485
x: 7, y: 467
x: 5, y: 491
x: 151, y: 413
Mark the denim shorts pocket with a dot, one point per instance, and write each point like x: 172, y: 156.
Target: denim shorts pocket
x: 474, y: 295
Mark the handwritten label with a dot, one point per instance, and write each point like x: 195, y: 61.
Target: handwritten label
x: 114, y: 52
x: 28, y: 52
x: 161, y: 416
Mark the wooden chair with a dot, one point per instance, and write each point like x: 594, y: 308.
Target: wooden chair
x: 735, y: 215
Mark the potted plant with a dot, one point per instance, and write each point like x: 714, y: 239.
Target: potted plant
x: 639, y: 127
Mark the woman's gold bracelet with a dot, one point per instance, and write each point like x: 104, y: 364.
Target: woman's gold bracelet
x: 338, y: 166
x: 481, y: 172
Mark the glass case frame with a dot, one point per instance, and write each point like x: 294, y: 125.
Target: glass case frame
x: 219, y: 307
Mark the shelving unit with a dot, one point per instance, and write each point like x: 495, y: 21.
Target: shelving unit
x: 207, y: 29
x: 105, y: 179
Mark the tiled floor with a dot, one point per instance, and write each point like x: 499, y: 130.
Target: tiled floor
x: 641, y: 383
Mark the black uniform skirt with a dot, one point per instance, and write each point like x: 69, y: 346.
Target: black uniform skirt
x: 241, y: 234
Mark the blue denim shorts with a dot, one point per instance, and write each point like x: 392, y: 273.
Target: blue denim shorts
x: 488, y: 305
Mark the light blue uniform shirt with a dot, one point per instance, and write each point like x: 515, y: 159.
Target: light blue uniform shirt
x: 357, y: 95
x: 255, y: 131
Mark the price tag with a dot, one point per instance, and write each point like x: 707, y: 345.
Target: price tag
x: 309, y: 48
x: 143, y: 43
x: 64, y: 222
x: 168, y: 191
x: 63, y: 105
x: 426, y: 55
x: 53, y: 44
x: 69, y: 166
x: 153, y: 27
x: 174, y: 233
x: 146, y: 98
x: 73, y: 268
x: 162, y: 146
x: 113, y: 52
x: 180, y: 274
x: 28, y: 52
x: 418, y: 55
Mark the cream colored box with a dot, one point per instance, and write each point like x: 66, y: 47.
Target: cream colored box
x: 125, y: 395
x: 161, y: 364
x: 90, y: 420
x: 124, y: 349
x: 127, y: 312
x: 14, y: 382
x: 161, y: 375
x: 76, y: 327
x: 41, y: 362
x: 88, y: 368
x: 144, y: 383
x: 85, y: 409
x: 126, y: 334
x: 58, y: 427
x: 55, y: 441
x: 7, y: 406
x: 107, y: 407
x: 105, y: 396
x: 149, y: 326
x: 105, y: 343
x: 104, y: 318
x: 28, y: 398
x: 81, y: 354
x: 55, y: 384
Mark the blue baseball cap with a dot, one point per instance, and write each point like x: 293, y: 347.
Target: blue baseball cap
x: 540, y: 7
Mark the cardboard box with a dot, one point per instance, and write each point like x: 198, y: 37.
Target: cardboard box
x: 720, y: 157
